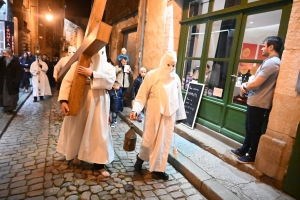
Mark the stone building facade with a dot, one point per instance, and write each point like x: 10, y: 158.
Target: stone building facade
x: 73, y: 35
x: 32, y: 31
x: 276, y: 145
x: 158, y: 29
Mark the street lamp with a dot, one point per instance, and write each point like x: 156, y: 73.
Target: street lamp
x: 37, y: 48
x: 49, y: 17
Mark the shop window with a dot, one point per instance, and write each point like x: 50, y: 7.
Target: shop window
x: 246, y: 72
x: 190, y: 72
x: 221, y: 4
x: 195, y: 40
x: 215, y: 79
x: 198, y: 7
x: 259, y: 26
x: 221, y: 38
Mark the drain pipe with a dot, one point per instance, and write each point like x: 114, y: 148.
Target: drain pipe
x: 142, y: 32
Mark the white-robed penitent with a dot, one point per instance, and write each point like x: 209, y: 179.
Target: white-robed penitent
x: 88, y: 134
x: 63, y: 61
x: 160, y: 92
x: 40, y: 82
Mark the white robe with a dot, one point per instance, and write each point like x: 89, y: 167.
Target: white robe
x: 61, y: 63
x: 40, y: 82
x: 158, y: 128
x: 88, y: 134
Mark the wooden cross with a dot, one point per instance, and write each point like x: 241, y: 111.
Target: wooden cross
x: 96, y: 36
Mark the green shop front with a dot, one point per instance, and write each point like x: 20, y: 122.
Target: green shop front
x: 220, y: 46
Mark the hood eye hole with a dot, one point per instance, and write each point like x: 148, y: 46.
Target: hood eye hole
x: 168, y: 65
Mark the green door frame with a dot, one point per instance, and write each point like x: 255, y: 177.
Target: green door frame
x: 225, y: 113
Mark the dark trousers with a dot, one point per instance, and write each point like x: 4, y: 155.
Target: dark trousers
x: 114, y: 117
x: 123, y: 90
x: 98, y: 166
x: 253, y: 125
x: 26, y: 83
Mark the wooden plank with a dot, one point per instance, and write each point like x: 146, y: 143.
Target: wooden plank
x: 95, y: 38
x: 96, y: 15
x: 84, y: 60
x: 92, y: 45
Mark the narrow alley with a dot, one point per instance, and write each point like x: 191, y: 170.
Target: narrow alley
x: 30, y: 167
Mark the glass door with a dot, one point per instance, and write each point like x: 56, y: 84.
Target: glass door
x: 258, y: 27
x: 222, y: 49
x: 249, y: 57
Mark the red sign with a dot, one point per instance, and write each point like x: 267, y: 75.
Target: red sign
x: 248, y: 51
x: 9, y: 35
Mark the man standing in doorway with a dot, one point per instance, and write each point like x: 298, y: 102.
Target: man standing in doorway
x: 260, y: 95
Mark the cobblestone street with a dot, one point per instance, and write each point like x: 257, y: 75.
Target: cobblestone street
x: 30, y: 167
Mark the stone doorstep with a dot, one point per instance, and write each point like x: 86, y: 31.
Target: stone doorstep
x: 211, y: 141
x: 201, y: 180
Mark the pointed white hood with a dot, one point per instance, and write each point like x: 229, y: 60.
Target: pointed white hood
x: 167, y: 66
x: 99, y: 59
x: 167, y: 84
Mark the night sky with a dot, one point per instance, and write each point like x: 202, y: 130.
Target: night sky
x: 79, y: 8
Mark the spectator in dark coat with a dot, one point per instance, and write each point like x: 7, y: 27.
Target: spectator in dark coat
x: 11, y: 73
x: 136, y: 86
x: 25, y: 61
x: 32, y: 57
x: 116, y: 102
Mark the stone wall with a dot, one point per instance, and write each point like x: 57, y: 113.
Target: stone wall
x: 154, y: 33
x: 172, y: 27
x: 275, y: 146
x: 24, y: 13
x: 120, y: 8
x: 73, y: 35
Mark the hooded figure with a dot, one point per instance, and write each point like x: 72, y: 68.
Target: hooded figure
x: 40, y: 82
x: 62, y: 62
x: 88, y: 134
x: 160, y: 91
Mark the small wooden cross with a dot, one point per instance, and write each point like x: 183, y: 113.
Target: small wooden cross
x: 96, y: 36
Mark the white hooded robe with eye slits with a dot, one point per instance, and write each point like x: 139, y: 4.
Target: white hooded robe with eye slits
x: 160, y: 93
x: 88, y: 134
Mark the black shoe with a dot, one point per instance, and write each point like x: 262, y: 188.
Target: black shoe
x: 41, y: 98
x: 9, y: 112
x: 34, y: 99
x: 162, y: 175
x: 236, y: 153
x: 246, y: 159
x: 138, y: 164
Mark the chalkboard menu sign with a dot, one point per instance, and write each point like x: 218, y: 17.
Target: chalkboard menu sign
x: 191, y: 103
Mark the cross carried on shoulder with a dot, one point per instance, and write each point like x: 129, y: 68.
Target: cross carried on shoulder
x: 96, y: 36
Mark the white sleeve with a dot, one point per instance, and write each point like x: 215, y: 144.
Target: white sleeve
x: 44, y: 67
x: 143, y: 94
x: 104, y: 79
x: 180, y: 113
x: 33, y: 71
x: 57, y: 68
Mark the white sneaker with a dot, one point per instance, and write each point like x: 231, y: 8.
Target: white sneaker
x: 112, y: 125
x: 26, y: 91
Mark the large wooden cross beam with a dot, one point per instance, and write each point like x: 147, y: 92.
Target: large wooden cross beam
x: 96, y: 36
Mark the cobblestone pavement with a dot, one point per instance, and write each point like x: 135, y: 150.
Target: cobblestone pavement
x: 30, y: 167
